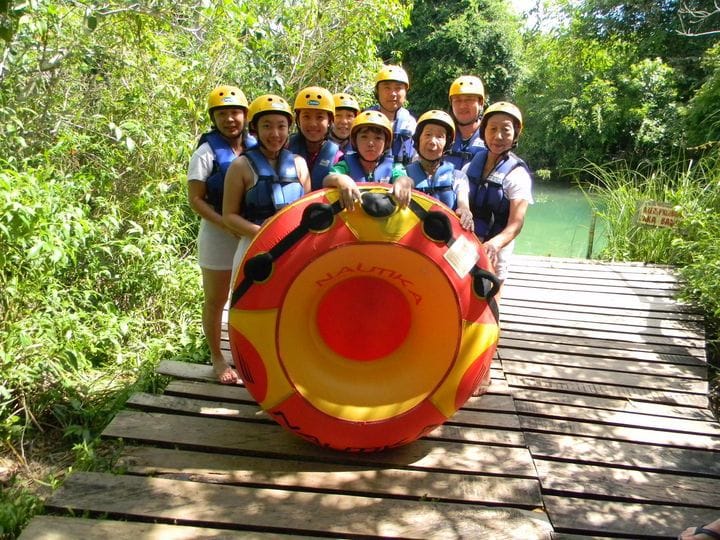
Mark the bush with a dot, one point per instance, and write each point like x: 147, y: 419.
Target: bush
x: 693, y: 188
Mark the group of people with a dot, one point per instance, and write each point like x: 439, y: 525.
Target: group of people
x: 249, y: 166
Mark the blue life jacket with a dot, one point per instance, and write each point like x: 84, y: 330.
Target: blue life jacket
x: 223, y: 157
x: 273, y: 189
x: 403, y: 150
x: 382, y: 172
x: 440, y: 185
x: 488, y: 204
x: 461, y: 152
x: 324, y: 161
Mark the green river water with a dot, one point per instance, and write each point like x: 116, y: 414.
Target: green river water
x: 558, y: 224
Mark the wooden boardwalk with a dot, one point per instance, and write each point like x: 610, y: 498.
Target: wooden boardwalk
x: 596, y: 425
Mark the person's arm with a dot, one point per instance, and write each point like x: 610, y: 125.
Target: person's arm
x: 518, y: 189
x: 238, y: 179
x: 518, y: 208
x: 339, y: 177
x: 199, y: 170
x: 402, y: 190
x: 349, y: 191
x: 303, y: 174
x: 462, y: 207
x: 197, y: 191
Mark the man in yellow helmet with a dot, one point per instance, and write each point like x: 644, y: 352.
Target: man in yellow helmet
x: 467, y: 101
x: 391, y: 87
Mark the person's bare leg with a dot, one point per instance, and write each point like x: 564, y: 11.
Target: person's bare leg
x: 216, y: 286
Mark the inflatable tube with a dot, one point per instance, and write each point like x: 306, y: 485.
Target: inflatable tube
x: 363, y: 330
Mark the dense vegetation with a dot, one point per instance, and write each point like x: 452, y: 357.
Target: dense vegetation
x: 101, y: 103
x: 100, y: 107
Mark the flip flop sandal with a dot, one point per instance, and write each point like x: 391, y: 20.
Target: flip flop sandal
x: 702, y: 530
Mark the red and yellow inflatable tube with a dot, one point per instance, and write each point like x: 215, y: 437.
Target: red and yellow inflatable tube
x: 363, y: 330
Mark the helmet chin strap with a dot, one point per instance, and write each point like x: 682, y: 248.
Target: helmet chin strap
x: 432, y: 162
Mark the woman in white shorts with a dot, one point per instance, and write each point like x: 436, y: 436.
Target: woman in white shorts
x: 217, y: 149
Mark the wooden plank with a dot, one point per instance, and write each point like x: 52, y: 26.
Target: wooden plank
x: 625, y: 325
x: 647, y: 435
x: 200, y: 389
x: 610, y: 280
x: 631, y: 520
x: 185, y: 370
x: 612, y: 345
x: 623, y: 454
x: 566, y: 536
x: 578, y: 480
x: 622, y: 268
x: 517, y: 340
x: 203, y: 373
x: 328, y: 477
x: 646, y: 294
x: 466, y: 425
x: 580, y: 298
x: 696, y: 346
x: 609, y: 390
x: 548, y: 310
x: 602, y: 376
x: 68, y: 528
x: 500, y: 403
x: 618, y: 418
x: 182, y: 405
x: 597, y: 275
x: 190, y: 503
x: 699, y: 371
x: 612, y: 404
x: 601, y: 309
x: 192, y: 433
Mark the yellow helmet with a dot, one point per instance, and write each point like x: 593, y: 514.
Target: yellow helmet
x: 315, y: 97
x: 372, y: 119
x: 467, y: 85
x: 269, y: 103
x: 346, y: 101
x: 440, y: 118
x: 226, y: 96
x: 392, y: 73
x: 502, y: 107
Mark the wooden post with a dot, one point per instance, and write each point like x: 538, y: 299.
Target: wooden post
x: 591, y: 235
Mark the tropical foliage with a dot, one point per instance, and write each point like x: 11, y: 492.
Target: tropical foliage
x: 453, y: 38
x: 611, y: 81
x: 101, y: 104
